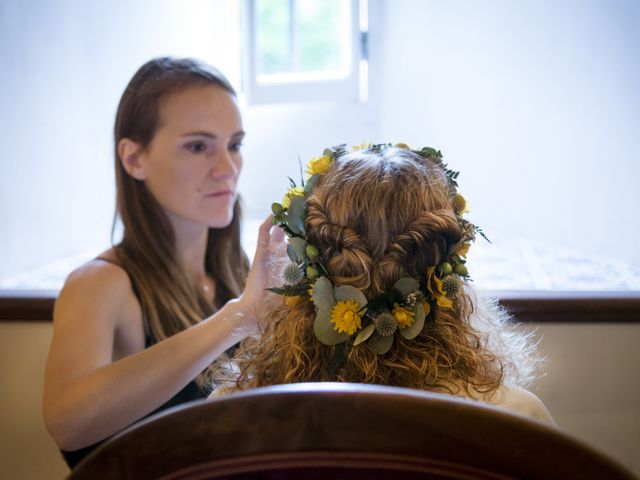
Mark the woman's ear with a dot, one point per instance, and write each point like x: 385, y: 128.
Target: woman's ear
x: 129, y: 153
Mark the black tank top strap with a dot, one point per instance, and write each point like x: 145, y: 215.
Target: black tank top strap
x: 149, y: 339
x: 134, y: 287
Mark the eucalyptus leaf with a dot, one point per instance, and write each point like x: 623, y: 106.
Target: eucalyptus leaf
x: 347, y: 292
x: 295, y: 215
x: 311, y: 183
x: 364, y: 334
x: 298, y: 245
x: 291, y: 253
x: 323, y: 294
x: 380, y: 344
x: 413, y: 330
x: 324, y: 331
x: 407, y: 285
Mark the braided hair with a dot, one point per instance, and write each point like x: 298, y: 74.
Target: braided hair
x: 377, y: 217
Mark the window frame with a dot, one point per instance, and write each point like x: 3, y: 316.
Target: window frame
x: 348, y: 89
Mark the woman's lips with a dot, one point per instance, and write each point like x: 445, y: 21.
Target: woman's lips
x: 222, y: 194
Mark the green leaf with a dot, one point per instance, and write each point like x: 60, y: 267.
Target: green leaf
x: 413, y: 330
x: 380, y: 344
x: 295, y: 215
x: 291, y: 253
x: 298, y: 245
x: 407, y: 285
x: 347, y: 292
x: 479, y: 230
x: 364, y: 334
x: 323, y: 294
x: 324, y: 331
x: 311, y: 183
x: 290, y: 290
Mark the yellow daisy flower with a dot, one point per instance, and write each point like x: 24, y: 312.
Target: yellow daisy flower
x: 403, y: 316
x: 346, y: 317
x: 292, y: 192
x: 460, y: 205
x: 319, y: 165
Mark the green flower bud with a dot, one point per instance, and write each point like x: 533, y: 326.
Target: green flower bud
x: 312, y: 273
x: 461, y: 269
x: 312, y: 252
x: 446, y: 268
x: 276, y: 208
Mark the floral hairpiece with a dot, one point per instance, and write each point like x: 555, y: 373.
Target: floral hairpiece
x: 343, y: 311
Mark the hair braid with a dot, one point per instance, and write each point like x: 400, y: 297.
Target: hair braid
x: 425, y: 239
x: 345, y: 254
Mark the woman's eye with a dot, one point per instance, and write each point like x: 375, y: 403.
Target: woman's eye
x: 235, y: 147
x: 196, y: 147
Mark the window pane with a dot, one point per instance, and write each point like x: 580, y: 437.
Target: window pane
x: 323, y: 33
x: 273, y: 27
x: 302, y: 37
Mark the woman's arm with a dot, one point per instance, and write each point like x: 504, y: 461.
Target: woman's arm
x: 87, y: 395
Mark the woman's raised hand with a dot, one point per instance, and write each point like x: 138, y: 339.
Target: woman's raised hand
x: 269, y: 259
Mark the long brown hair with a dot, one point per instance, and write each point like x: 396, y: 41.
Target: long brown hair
x: 377, y: 217
x: 170, y: 301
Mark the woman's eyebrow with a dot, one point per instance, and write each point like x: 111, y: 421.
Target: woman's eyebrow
x: 200, y: 134
x: 213, y: 136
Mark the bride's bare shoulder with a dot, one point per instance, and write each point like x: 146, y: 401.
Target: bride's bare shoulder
x: 523, y: 401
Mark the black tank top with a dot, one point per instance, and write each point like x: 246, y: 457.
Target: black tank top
x: 190, y: 392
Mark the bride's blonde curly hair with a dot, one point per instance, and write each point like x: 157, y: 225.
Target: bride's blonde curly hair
x: 377, y: 217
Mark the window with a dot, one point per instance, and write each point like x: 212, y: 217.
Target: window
x: 298, y: 50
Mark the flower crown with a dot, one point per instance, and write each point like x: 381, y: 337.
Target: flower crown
x: 343, y: 311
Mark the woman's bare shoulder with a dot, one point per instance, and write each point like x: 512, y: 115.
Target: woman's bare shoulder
x: 523, y: 401
x: 97, y: 273
x: 97, y: 285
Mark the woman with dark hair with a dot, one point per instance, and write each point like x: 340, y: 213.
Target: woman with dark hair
x: 378, y: 291
x: 141, y: 327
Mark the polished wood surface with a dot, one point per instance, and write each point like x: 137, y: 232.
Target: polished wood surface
x: 328, y: 430
x: 525, y: 306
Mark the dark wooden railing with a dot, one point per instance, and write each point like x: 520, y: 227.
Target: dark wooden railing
x: 526, y: 306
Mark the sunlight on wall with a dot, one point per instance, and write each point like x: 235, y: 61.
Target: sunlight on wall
x: 536, y: 103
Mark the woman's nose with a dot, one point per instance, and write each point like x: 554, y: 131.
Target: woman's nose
x: 226, y: 165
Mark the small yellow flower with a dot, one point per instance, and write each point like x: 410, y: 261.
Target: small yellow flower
x: 362, y: 146
x: 346, y: 316
x: 319, y: 165
x: 291, y: 301
x: 292, y: 192
x: 404, y: 317
x: 463, y: 250
x: 310, y: 291
x: 460, y: 204
x: 427, y: 307
x: 434, y: 285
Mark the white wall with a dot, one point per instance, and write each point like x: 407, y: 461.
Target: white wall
x: 65, y: 64
x: 537, y: 103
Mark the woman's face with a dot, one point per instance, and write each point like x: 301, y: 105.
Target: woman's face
x: 192, y: 164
